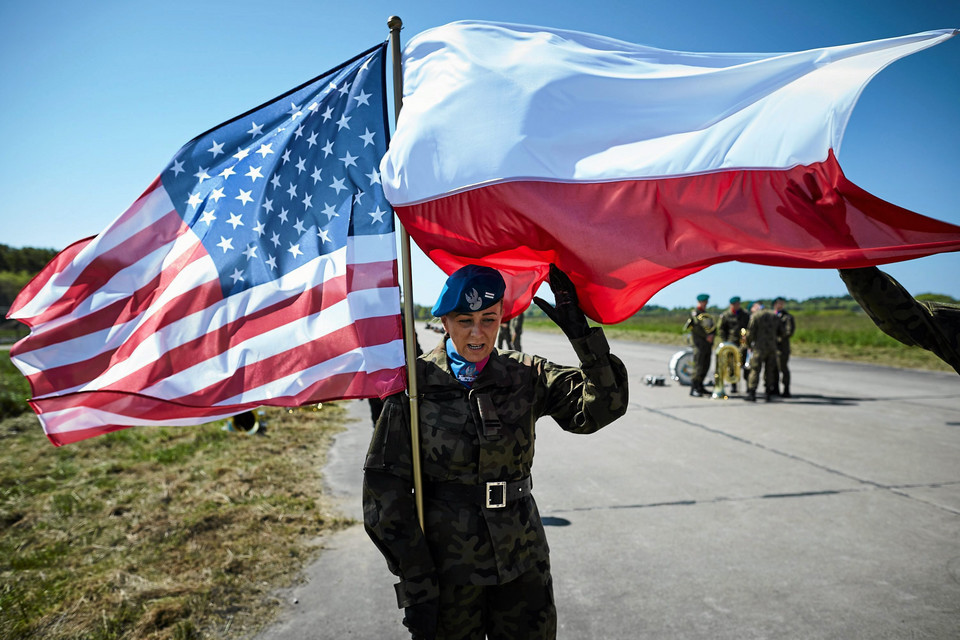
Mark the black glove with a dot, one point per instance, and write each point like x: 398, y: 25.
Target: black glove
x: 566, y: 314
x: 421, y: 619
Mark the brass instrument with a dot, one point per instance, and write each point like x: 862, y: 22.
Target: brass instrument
x: 727, y: 370
x: 706, y: 321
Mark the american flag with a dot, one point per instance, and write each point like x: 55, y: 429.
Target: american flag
x: 259, y: 268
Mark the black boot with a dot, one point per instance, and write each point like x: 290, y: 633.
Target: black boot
x: 695, y: 391
x: 786, y: 392
x: 751, y: 395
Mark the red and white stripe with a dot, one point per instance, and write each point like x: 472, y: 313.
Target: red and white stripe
x: 131, y: 328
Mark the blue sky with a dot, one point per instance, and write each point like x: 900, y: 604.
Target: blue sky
x: 99, y: 96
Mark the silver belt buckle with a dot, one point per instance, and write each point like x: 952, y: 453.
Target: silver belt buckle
x: 502, y: 502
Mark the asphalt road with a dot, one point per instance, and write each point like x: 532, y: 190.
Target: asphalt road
x: 833, y: 515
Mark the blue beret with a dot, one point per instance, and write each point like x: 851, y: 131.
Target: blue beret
x: 702, y: 297
x: 734, y: 299
x: 468, y: 289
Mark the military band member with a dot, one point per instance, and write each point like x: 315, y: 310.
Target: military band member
x: 516, y: 331
x: 783, y: 346
x: 702, y: 330
x: 729, y: 330
x: 480, y: 566
x: 503, y: 336
x: 763, y: 333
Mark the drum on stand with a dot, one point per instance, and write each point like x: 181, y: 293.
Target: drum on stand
x: 682, y: 366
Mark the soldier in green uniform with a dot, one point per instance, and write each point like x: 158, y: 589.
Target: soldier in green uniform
x: 763, y: 333
x: 783, y: 346
x: 729, y: 327
x: 480, y: 566
x: 516, y: 331
x: 702, y: 329
x: 933, y: 326
x: 503, y: 336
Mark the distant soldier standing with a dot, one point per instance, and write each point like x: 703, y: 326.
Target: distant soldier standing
x: 702, y: 329
x: 729, y: 330
x: 516, y: 330
x: 763, y: 332
x: 783, y: 346
x: 503, y: 336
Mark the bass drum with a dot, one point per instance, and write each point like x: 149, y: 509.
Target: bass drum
x: 681, y: 366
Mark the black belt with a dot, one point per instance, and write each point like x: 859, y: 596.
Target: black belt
x: 491, y: 495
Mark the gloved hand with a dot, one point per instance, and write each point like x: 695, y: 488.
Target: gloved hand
x: 566, y: 313
x: 421, y: 619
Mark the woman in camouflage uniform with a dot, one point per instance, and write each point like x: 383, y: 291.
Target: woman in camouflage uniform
x: 481, y: 569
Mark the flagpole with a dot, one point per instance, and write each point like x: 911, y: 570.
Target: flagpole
x: 395, y: 24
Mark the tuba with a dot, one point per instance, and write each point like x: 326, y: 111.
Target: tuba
x: 727, y: 370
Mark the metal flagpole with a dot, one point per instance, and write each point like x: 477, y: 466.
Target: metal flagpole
x: 395, y: 24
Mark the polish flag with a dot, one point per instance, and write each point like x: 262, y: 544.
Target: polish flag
x: 631, y: 167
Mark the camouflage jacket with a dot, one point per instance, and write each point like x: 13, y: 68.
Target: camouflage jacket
x: 764, y: 331
x: 789, y: 326
x: 468, y: 543
x: 934, y: 326
x: 729, y: 325
x: 700, y: 325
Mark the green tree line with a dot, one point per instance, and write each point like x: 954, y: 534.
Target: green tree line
x: 17, y: 267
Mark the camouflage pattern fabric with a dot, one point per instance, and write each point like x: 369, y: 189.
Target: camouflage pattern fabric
x: 932, y: 326
x: 468, y: 544
x: 516, y: 331
x: 503, y: 335
x: 521, y: 608
x: 699, y: 332
x: 783, y: 347
x: 763, y: 332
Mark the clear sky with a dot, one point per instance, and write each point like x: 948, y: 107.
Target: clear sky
x: 98, y: 96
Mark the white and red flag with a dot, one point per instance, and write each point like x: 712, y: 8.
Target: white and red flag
x: 259, y: 268
x: 632, y: 167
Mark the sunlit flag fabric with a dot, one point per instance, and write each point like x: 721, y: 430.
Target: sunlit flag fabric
x: 632, y: 167
x: 259, y: 268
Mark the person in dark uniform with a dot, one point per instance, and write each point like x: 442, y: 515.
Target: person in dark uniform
x: 763, y: 334
x: 783, y: 347
x: 516, y: 331
x: 702, y: 329
x: 934, y: 326
x: 480, y: 565
x: 730, y: 326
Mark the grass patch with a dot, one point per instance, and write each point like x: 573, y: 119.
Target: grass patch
x: 158, y: 533
x: 14, y: 388
x: 843, y: 335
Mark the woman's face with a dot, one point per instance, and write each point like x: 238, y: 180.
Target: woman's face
x: 474, y: 334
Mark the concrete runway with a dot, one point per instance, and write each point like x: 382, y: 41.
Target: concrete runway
x: 833, y: 515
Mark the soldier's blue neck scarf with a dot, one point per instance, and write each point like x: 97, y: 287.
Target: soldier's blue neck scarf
x: 465, y: 372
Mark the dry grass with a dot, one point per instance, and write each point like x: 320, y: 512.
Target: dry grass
x: 158, y: 532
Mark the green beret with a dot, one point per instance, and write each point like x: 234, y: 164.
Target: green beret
x: 702, y: 297
x: 734, y: 299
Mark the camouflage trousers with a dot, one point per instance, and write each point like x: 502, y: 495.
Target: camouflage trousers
x: 522, y: 609
x: 701, y: 365
x: 765, y: 361
x: 783, y: 364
